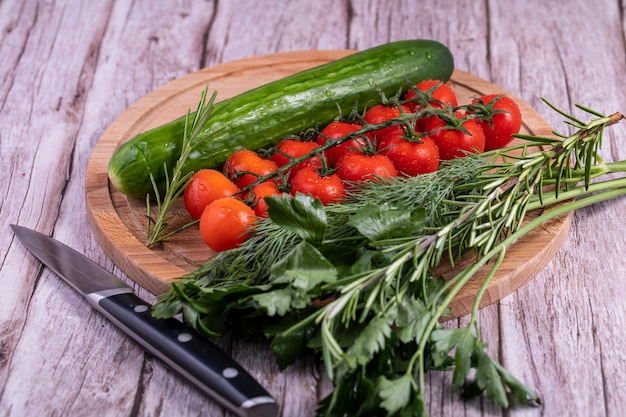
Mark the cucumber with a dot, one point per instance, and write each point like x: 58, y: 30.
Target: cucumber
x: 262, y: 116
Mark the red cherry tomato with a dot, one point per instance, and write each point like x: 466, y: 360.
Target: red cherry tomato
x: 206, y: 186
x: 289, y: 149
x: 225, y: 223
x: 336, y: 130
x: 245, y: 167
x: 411, y: 158
x: 258, y: 194
x: 500, y: 130
x: 454, y: 143
x: 329, y: 189
x: 357, y: 166
x: 380, y: 114
x: 440, y: 97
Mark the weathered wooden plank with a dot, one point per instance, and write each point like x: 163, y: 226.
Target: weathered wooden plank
x: 41, y: 108
x: 247, y: 28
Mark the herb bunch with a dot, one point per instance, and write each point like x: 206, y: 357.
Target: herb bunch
x: 355, y: 283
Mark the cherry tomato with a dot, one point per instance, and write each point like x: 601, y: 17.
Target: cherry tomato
x: 245, y: 167
x: 288, y: 149
x: 500, y: 130
x: 258, y: 194
x: 336, y: 130
x: 206, y: 186
x: 357, y: 166
x: 409, y: 157
x: 454, y: 143
x: 380, y: 114
x: 440, y: 97
x: 328, y: 188
x: 225, y: 223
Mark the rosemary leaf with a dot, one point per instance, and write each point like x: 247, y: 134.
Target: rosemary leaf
x: 175, y: 182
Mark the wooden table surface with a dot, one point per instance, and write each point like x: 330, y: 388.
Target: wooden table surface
x: 69, y: 68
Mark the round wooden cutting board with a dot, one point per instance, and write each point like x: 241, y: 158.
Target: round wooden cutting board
x: 119, y: 223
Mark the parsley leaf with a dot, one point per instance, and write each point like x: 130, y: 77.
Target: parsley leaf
x: 378, y: 222
x: 300, y: 214
x: 412, y: 319
x: 488, y: 379
x: 280, y: 301
x: 304, y: 268
x: 395, y: 393
x: 371, y: 339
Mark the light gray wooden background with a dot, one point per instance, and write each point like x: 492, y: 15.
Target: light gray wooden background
x: 68, y: 68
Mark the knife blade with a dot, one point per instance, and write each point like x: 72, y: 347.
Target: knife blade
x: 183, y: 349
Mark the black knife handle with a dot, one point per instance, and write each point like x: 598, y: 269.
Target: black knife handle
x: 193, y: 356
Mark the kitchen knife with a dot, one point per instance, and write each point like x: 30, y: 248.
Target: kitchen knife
x: 184, y: 350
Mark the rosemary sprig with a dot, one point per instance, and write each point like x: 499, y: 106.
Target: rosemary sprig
x: 156, y: 230
x: 354, y: 282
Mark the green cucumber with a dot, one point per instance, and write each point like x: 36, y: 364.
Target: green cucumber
x: 262, y: 116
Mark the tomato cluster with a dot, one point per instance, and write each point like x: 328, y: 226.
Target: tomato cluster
x: 383, y: 143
